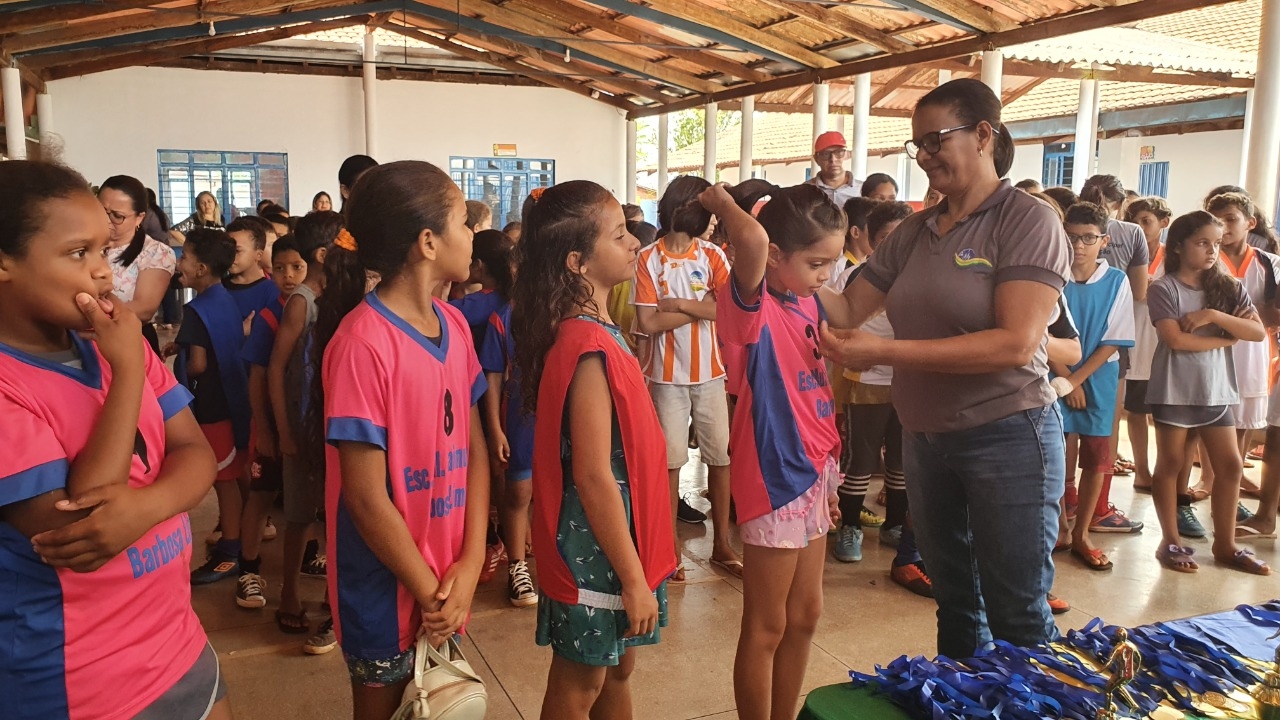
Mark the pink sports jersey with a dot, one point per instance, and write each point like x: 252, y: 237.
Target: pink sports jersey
x: 388, y: 385
x: 784, y: 426
x: 100, y: 645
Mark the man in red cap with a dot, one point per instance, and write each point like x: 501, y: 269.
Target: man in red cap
x: 830, y: 151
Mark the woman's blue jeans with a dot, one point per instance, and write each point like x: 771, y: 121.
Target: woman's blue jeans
x: 984, y: 503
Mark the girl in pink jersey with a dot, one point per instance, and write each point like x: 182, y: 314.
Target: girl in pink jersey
x: 96, y: 607
x: 602, y: 521
x: 407, y: 471
x: 784, y: 472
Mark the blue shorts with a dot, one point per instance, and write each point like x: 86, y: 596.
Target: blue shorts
x: 383, y: 672
x: 520, y: 436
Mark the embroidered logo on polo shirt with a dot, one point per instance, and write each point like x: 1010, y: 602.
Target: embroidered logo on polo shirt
x: 967, y: 258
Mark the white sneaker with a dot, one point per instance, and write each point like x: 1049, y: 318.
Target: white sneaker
x: 269, y: 532
x: 520, y: 590
x: 323, y: 641
x: 249, y: 591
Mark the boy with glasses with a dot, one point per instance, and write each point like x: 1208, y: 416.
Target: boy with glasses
x: 830, y: 151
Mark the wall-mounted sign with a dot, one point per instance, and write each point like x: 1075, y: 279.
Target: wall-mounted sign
x: 504, y: 150
x: 1147, y: 153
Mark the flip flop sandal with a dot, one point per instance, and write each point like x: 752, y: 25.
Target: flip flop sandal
x: 1244, y: 561
x: 1246, y: 532
x: 293, y: 624
x: 1253, y: 492
x: 1177, y: 558
x: 1198, y: 494
x: 1061, y: 548
x: 733, y: 567
x: 1093, y: 559
x: 678, y: 575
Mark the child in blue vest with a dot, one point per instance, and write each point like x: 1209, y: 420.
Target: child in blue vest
x: 1102, y: 306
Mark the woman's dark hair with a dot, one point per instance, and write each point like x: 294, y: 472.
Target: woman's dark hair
x: 213, y: 247
x: 1104, y: 190
x: 884, y: 213
x: 316, y: 199
x: 1087, y: 213
x: 25, y: 185
x: 388, y: 209
x: 751, y: 191
x: 494, y: 249
x: 316, y: 230
x: 153, y: 207
x: 973, y: 102
x: 137, y: 193
x: 564, y: 220
x: 875, y: 180
x: 1064, y: 197
x: 645, y: 232
x: 679, y: 209
x: 1220, y: 289
x: 352, y: 168
x: 856, y: 210
x: 799, y: 216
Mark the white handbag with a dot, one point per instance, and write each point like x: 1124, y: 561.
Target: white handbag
x: 444, y: 686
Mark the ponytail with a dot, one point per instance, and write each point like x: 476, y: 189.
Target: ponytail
x: 344, y: 288
x: 1002, y: 153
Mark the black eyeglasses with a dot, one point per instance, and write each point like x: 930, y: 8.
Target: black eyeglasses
x: 1084, y: 239
x: 117, y: 218
x: 932, y: 142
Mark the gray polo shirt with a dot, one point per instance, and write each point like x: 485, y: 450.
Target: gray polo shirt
x: 940, y: 287
x: 1128, y: 246
x: 851, y: 189
x: 1181, y: 377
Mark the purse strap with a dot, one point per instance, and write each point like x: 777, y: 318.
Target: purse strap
x: 426, y: 654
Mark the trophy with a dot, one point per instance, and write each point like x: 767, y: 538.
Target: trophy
x: 1123, y: 664
x: 1268, y: 693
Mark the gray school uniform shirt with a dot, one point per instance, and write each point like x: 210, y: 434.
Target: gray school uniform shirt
x: 1181, y: 377
x: 1128, y: 246
x: 941, y: 286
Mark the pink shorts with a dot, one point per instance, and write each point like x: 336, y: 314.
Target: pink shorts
x: 800, y: 521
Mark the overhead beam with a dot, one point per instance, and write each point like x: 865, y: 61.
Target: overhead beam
x: 1018, y: 92
x: 724, y: 22
x: 501, y: 21
x: 385, y: 72
x: 965, y: 15
x: 177, y: 24
x: 894, y: 82
x: 497, y: 60
x: 794, y: 109
x: 837, y: 20
x: 1116, y: 73
x: 1089, y: 19
x: 662, y: 17
x: 47, y: 18
x: 193, y: 47
x: 577, y: 15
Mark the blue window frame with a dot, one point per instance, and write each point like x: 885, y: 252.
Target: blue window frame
x: 1059, y: 161
x: 237, y: 179
x: 501, y: 183
x: 1153, y: 179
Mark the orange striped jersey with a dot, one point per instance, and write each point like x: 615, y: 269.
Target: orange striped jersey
x: 689, y: 354
x: 1257, y: 272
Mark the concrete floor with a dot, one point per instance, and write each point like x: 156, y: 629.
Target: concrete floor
x: 867, y: 620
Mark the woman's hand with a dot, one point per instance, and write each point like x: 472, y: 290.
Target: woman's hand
x: 116, y: 330
x: 853, y: 349
x: 642, y: 610
x: 716, y: 198
x: 457, y: 588
x: 118, y: 517
x: 1193, y: 321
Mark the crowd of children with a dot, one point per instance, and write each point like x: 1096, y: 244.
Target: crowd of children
x: 385, y: 371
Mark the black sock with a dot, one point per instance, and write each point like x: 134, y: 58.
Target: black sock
x: 491, y: 537
x: 250, y: 566
x: 313, y: 549
x: 851, y: 509
x: 1184, y: 500
x: 895, y: 507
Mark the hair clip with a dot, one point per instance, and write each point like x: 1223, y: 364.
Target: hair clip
x: 345, y: 241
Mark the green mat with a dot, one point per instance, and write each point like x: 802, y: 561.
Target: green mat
x: 844, y: 702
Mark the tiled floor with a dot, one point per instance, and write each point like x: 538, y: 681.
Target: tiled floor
x: 867, y: 620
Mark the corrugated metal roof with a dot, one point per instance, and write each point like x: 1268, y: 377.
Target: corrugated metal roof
x: 1132, y: 46
x: 354, y: 35
x: 1234, y: 25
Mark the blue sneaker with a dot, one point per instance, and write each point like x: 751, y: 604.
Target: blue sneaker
x: 1188, y: 525
x: 1115, y: 522
x: 848, y: 548
x: 220, y: 566
x: 1242, y: 513
x: 890, y: 537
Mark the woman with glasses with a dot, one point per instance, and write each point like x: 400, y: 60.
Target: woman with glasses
x: 141, y: 266
x: 969, y: 286
x: 207, y: 215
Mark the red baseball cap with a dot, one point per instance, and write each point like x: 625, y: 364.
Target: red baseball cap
x: 827, y: 140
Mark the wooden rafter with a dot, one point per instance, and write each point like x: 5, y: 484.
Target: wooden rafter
x: 1088, y: 19
x: 894, y: 82
x: 511, y: 65
x: 151, y: 55
x: 385, y: 72
x: 837, y: 20
x: 724, y: 22
x: 1118, y: 73
x: 141, y: 22
x: 967, y: 12
x: 833, y: 110
x: 523, y: 24
x: 31, y: 76
x: 576, y: 15
x: 48, y: 18
x: 1018, y: 92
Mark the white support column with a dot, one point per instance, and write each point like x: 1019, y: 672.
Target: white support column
x: 631, y: 161
x: 709, y: 142
x: 370, y: 95
x: 1264, y: 140
x: 861, y: 125
x: 14, y: 128
x: 993, y: 71
x: 1086, y: 119
x: 944, y: 77
x: 1245, y: 139
x: 44, y: 115
x: 821, y: 108
x: 748, y: 137
x: 1094, y: 127
x: 664, y: 134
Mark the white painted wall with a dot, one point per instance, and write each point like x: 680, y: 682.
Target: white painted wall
x: 113, y: 123
x: 1198, y: 162
x: 1028, y: 162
